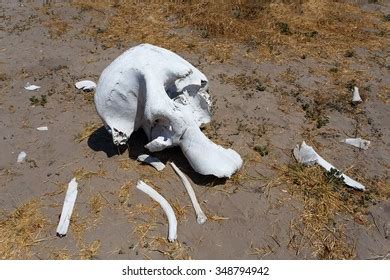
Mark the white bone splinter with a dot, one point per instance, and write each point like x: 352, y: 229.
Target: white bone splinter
x: 356, y: 96
x: 67, y: 209
x: 357, y: 142
x: 172, y: 222
x: 153, y: 161
x: 85, y: 85
x: 305, y: 154
x: 155, y: 89
x: 200, y: 216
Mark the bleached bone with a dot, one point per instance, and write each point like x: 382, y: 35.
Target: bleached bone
x: 305, y: 154
x: 153, y: 161
x: 200, y: 216
x: 31, y: 87
x: 42, y: 128
x: 356, y: 96
x: 85, y: 85
x: 67, y: 208
x: 172, y: 222
x: 357, y: 142
x: 155, y: 89
x: 21, y: 157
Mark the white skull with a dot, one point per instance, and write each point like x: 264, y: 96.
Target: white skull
x: 153, y: 88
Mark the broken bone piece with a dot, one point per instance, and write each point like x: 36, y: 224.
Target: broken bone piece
x: 86, y: 85
x: 305, y: 154
x: 154, y: 89
x: 356, y: 96
x: 31, y: 87
x: 153, y: 161
x: 42, y: 128
x: 172, y: 222
x: 67, y: 208
x: 21, y: 157
x: 200, y: 216
x: 357, y: 142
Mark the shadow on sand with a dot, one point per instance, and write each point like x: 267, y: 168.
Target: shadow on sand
x: 100, y: 140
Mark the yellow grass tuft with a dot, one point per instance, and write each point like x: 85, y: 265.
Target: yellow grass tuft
x: 326, y: 200
x: 88, y: 129
x: 90, y: 251
x: 20, y: 229
x: 83, y: 174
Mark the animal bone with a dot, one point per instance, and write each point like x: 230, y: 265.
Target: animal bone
x: 172, y: 222
x: 356, y: 96
x: 42, y: 128
x: 153, y: 88
x: 200, y: 216
x: 21, y: 157
x: 305, y: 154
x: 31, y: 87
x: 155, y: 162
x: 85, y: 85
x: 357, y: 142
x: 67, y: 208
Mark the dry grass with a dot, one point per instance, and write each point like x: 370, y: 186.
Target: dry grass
x: 96, y: 204
x: 124, y: 193
x: 88, y: 129
x: 60, y: 255
x: 56, y: 26
x: 326, y: 200
x: 90, y: 251
x: 20, y: 229
x: 267, y: 28
x: 83, y: 174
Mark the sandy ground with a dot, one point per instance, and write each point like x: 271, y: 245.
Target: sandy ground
x: 250, y: 215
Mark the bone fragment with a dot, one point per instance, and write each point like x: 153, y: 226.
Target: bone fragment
x: 155, y: 162
x: 356, y: 96
x: 67, y: 209
x: 31, y: 87
x: 357, y: 142
x: 42, y: 128
x: 305, y: 154
x: 21, y: 157
x: 85, y: 85
x: 200, y: 216
x: 172, y: 222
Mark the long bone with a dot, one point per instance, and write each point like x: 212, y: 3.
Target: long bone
x: 172, y: 222
x: 200, y: 216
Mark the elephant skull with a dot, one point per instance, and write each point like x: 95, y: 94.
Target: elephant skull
x: 153, y: 88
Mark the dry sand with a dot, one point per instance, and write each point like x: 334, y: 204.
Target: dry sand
x: 263, y: 103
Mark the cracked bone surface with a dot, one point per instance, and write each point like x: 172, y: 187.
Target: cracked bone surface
x: 307, y: 155
x: 154, y: 89
x: 200, y: 216
x: 172, y: 222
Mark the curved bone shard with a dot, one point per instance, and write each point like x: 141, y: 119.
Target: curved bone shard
x: 172, y: 222
x: 305, y: 154
x: 153, y: 161
x: 155, y: 89
x: 67, y: 209
x: 357, y: 142
x: 200, y: 216
x: 85, y: 85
